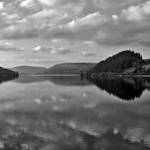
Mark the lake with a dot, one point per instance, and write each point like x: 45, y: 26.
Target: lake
x: 69, y: 113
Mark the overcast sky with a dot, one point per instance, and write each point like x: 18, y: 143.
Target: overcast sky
x: 46, y: 32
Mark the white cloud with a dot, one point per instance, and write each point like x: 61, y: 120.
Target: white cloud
x: 133, y: 13
x: 1, y: 5
x: 38, y: 48
x: 138, y: 12
x: 41, y: 49
x: 87, y: 54
x: 47, y: 2
x: 146, y: 7
x: 76, y: 20
x: 27, y: 3
x: 93, y: 19
x: 61, y: 51
x: 45, y: 13
x: 8, y: 46
x: 89, y: 43
x: 115, y: 17
x: 17, y: 32
x: 12, y: 16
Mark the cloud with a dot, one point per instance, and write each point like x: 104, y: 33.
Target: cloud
x: 104, y: 22
x: 8, y: 46
x: 48, y: 2
x: 45, y: 13
x: 61, y: 51
x: 89, y: 43
x: 81, y: 28
x: 1, y: 5
x: 87, y: 54
x: 16, y: 32
x: 84, y: 28
x: 28, y: 4
x: 91, y: 20
x: 115, y: 17
x: 138, y: 12
x: 50, y: 50
x: 41, y: 49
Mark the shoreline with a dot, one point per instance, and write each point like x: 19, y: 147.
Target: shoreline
x: 109, y: 75
x: 50, y: 75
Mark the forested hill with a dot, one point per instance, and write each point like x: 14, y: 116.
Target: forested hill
x: 7, y: 73
x: 118, y: 63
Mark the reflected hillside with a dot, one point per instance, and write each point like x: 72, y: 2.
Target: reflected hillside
x: 7, y: 78
x: 59, y: 80
x: 68, y: 80
x: 124, y: 88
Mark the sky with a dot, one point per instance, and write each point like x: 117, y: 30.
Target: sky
x: 48, y: 32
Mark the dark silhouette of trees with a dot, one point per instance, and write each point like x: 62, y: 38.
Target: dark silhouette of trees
x: 127, y: 89
x: 118, y: 63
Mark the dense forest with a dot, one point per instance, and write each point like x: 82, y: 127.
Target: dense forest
x: 119, y: 62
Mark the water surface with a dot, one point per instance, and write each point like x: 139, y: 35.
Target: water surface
x: 67, y: 113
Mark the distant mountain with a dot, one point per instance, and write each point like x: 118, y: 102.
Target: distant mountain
x: 69, y: 68
x: 119, y: 63
x: 28, y: 69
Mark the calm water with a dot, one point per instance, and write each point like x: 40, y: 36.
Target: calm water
x: 67, y: 113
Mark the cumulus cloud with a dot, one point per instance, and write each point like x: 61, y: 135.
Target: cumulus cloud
x: 1, y: 5
x: 84, y: 28
x: 15, y: 32
x: 138, y: 12
x: 8, y: 46
x: 61, y: 51
x: 27, y: 3
x: 50, y: 50
x: 132, y: 28
x: 102, y: 21
x: 89, y: 43
x: 47, y: 2
x: 90, y: 20
x: 80, y: 28
x: 41, y: 49
x: 45, y: 13
x: 87, y: 54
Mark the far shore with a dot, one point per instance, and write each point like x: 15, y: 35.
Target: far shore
x: 109, y: 75
x: 57, y: 75
x: 104, y: 75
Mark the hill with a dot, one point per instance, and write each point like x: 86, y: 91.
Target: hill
x: 69, y: 68
x: 119, y: 63
x: 6, y: 74
x: 28, y: 69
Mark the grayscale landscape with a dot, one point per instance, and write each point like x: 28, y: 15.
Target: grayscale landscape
x: 74, y: 75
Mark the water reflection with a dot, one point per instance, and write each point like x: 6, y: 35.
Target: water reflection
x: 124, y: 88
x: 40, y: 113
x: 7, y: 78
x: 59, y: 80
